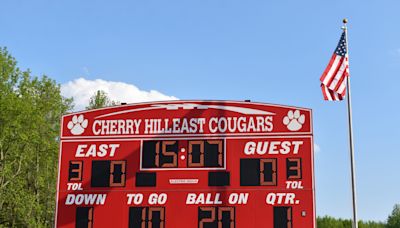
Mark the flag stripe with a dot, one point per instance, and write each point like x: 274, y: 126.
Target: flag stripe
x: 336, y: 72
x: 324, y: 93
x: 331, y: 61
x: 340, y: 82
x: 341, y: 74
x: 343, y: 94
x: 330, y: 95
x: 331, y: 69
x: 342, y: 87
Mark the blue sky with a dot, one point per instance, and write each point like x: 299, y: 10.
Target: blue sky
x: 268, y: 51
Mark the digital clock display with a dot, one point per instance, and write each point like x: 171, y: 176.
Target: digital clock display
x: 187, y: 164
x: 196, y: 153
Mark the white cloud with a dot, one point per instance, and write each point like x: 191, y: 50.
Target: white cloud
x: 82, y: 89
x: 316, y: 148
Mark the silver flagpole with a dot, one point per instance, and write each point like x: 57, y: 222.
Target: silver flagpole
x: 349, y: 112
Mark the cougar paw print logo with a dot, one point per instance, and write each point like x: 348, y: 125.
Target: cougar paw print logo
x: 294, y: 121
x: 77, y: 125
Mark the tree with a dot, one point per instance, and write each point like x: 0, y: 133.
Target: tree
x: 100, y: 100
x: 330, y: 222
x: 394, y: 218
x: 30, y: 111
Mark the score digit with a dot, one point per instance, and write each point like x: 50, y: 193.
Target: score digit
x: 160, y: 154
x: 153, y: 217
x: 199, y: 153
x: 268, y: 171
x: 167, y: 154
x: 206, y: 153
x: 293, y: 168
x: 258, y: 172
x: 216, y: 217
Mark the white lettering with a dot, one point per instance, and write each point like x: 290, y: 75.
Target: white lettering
x: 272, y: 147
x: 155, y: 198
x: 96, y: 151
x: 203, y: 198
x: 87, y: 199
x: 191, y: 198
x: 235, y: 198
x: 249, y: 148
x: 74, y: 186
x: 135, y: 198
x: 281, y: 198
x: 79, y: 151
x: 294, y: 184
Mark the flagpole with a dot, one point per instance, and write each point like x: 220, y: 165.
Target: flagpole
x: 349, y: 112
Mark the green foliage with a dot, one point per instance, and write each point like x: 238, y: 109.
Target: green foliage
x: 371, y: 224
x: 394, y: 218
x: 30, y: 111
x: 100, y: 100
x: 330, y: 222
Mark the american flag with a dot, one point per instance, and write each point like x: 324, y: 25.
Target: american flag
x: 333, y: 80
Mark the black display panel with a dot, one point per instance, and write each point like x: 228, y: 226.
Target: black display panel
x: 258, y: 172
x: 160, y: 154
x: 146, y: 217
x: 108, y: 173
x: 117, y: 173
x: 205, y: 153
x: 200, y: 153
x: 218, y: 178
x: 75, y: 171
x: 293, y: 168
x: 146, y: 179
x: 216, y: 217
x: 100, y: 174
x: 84, y: 217
x: 283, y: 217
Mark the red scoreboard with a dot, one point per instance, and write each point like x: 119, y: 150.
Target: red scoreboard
x: 184, y: 164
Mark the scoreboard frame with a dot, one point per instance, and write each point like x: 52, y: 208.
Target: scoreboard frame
x: 287, y: 130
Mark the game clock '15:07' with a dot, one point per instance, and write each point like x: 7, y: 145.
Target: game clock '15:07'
x: 118, y: 170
